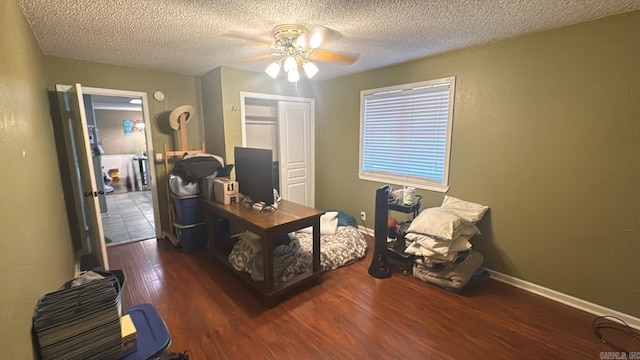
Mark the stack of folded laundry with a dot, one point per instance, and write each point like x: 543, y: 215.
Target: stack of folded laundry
x: 439, y: 237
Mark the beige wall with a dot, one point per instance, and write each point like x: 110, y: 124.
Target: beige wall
x: 231, y: 82
x: 546, y: 131
x: 212, y: 108
x: 178, y: 89
x: 112, y: 136
x: 36, y: 254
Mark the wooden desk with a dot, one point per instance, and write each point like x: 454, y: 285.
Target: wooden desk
x: 269, y: 225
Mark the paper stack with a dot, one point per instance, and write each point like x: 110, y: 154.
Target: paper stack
x: 81, y: 322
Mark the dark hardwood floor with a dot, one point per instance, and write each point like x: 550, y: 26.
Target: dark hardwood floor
x: 348, y: 315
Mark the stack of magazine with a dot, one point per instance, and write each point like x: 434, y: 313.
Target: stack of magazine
x: 81, y: 322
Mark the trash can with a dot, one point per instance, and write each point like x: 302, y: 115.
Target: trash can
x: 152, y: 337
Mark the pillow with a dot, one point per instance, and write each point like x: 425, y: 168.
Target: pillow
x: 440, y: 223
x: 433, y: 257
x: 344, y: 219
x: 469, y: 211
x: 328, y: 224
x: 438, y: 246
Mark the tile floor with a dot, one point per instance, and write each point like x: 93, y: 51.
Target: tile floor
x: 129, y: 218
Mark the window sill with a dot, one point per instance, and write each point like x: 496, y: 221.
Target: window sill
x: 405, y: 182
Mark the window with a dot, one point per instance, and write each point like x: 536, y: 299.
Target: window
x: 405, y: 134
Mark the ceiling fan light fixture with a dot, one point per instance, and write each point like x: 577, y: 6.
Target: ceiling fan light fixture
x: 294, y: 45
x: 290, y: 63
x: 273, y: 69
x: 293, y: 75
x: 310, y: 69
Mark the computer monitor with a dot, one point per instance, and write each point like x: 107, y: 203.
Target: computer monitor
x: 254, y: 174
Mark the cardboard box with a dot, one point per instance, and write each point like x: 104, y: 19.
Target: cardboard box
x: 225, y: 191
x: 129, y: 336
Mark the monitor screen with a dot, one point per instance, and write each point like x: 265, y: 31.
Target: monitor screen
x: 254, y: 174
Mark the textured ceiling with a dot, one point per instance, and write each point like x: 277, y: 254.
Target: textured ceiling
x: 195, y: 36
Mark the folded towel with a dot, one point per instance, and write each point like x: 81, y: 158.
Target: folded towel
x: 437, y: 263
x: 478, y: 276
x: 455, y: 277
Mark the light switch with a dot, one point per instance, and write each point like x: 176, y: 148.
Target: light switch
x: 158, y: 156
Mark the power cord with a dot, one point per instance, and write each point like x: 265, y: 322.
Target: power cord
x: 364, y: 225
x: 613, y: 323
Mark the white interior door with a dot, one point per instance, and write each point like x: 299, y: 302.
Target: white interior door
x: 296, y: 152
x: 73, y: 115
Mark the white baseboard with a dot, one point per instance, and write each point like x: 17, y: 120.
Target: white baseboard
x: 569, y: 300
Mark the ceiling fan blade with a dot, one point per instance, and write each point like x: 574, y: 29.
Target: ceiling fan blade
x: 243, y: 36
x: 325, y: 34
x: 331, y: 56
x: 258, y: 58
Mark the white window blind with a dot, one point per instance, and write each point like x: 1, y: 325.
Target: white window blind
x: 406, y: 132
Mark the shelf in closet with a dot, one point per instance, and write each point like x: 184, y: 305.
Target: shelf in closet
x: 261, y: 111
x: 262, y: 121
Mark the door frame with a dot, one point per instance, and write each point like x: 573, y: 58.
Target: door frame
x: 149, y: 141
x: 312, y: 119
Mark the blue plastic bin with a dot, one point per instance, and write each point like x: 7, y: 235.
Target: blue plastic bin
x: 193, y: 237
x: 189, y: 209
x: 152, y: 334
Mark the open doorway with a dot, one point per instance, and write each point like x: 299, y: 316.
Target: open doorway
x: 118, y: 124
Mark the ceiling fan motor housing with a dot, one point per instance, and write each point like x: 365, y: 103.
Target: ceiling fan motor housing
x: 296, y: 46
x: 288, y: 33
x: 291, y: 39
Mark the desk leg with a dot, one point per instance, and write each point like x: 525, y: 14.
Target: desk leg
x: 316, y: 245
x: 218, y: 231
x: 209, y: 219
x: 267, y: 270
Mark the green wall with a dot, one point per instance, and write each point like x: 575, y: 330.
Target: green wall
x: 178, y: 90
x: 546, y: 131
x: 113, y: 140
x: 222, y: 86
x: 213, y: 116
x: 36, y: 254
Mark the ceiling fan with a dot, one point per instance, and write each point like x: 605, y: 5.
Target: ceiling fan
x: 294, y: 46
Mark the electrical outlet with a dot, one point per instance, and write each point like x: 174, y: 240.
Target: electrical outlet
x: 363, y: 216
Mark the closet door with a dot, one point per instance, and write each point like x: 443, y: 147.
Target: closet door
x: 296, y: 155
